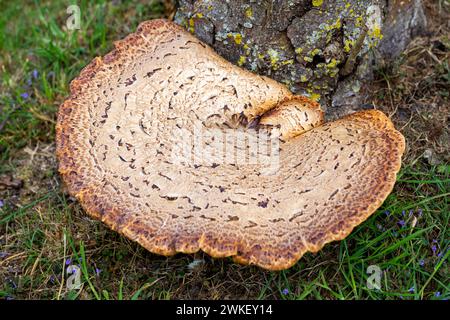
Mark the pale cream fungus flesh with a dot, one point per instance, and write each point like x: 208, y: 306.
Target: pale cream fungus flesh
x: 117, y: 131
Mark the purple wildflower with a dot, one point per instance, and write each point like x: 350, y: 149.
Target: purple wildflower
x: 421, y: 262
x: 401, y: 223
x: 35, y: 74
x: 403, y: 213
x: 285, y: 291
x: 97, y: 271
x: 434, y: 248
x: 437, y: 294
x: 25, y: 95
x: 410, y: 213
x: 1, y: 203
x: 420, y: 212
x: 68, y: 261
x: 411, y: 290
x: 387, y: 213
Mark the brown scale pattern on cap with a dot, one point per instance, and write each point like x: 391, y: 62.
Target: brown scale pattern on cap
x: 295, y: 115
x: 117, y: 131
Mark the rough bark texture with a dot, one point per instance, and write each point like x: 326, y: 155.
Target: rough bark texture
x: 323, y: 49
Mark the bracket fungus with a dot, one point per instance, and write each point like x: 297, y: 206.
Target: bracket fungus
x: 125, y: 138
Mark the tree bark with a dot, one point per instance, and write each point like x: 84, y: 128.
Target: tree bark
x: 324, y: 49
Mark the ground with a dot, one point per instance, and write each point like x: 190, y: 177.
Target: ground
x: 42, y: 230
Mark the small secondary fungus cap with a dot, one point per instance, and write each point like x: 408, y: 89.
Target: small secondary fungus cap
x: 157, y: 140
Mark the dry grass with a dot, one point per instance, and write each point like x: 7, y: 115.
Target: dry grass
x: 415, y: 90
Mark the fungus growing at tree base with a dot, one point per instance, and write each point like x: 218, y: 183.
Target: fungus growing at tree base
x: 157, y: 141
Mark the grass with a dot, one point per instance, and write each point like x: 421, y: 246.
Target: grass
x: 42, y: 230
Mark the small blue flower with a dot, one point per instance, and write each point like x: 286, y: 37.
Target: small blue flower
x: 1, y: 203
x: 387, y: 212
x: 401, y: 223
x: 35, y: 74
x: 68, y: 261
x: 25, y: 95
x: 411, y: 290
x: 285, y: 291
x: 403, y: 213
x: 410, y: 213
x: 97, y: 271
x: 434, y: 248
x: 421, y: 262
x: 437, y: 294
x: 420, y: 212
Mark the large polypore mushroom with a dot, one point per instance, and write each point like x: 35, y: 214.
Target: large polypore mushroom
x: 157, y: 140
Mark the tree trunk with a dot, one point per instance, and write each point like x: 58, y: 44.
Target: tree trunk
x: 324, y: 49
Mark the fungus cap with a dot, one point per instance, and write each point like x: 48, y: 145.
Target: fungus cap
x: 123, y: 132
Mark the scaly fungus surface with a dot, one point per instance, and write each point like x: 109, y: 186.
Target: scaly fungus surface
x: 123, y: 133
